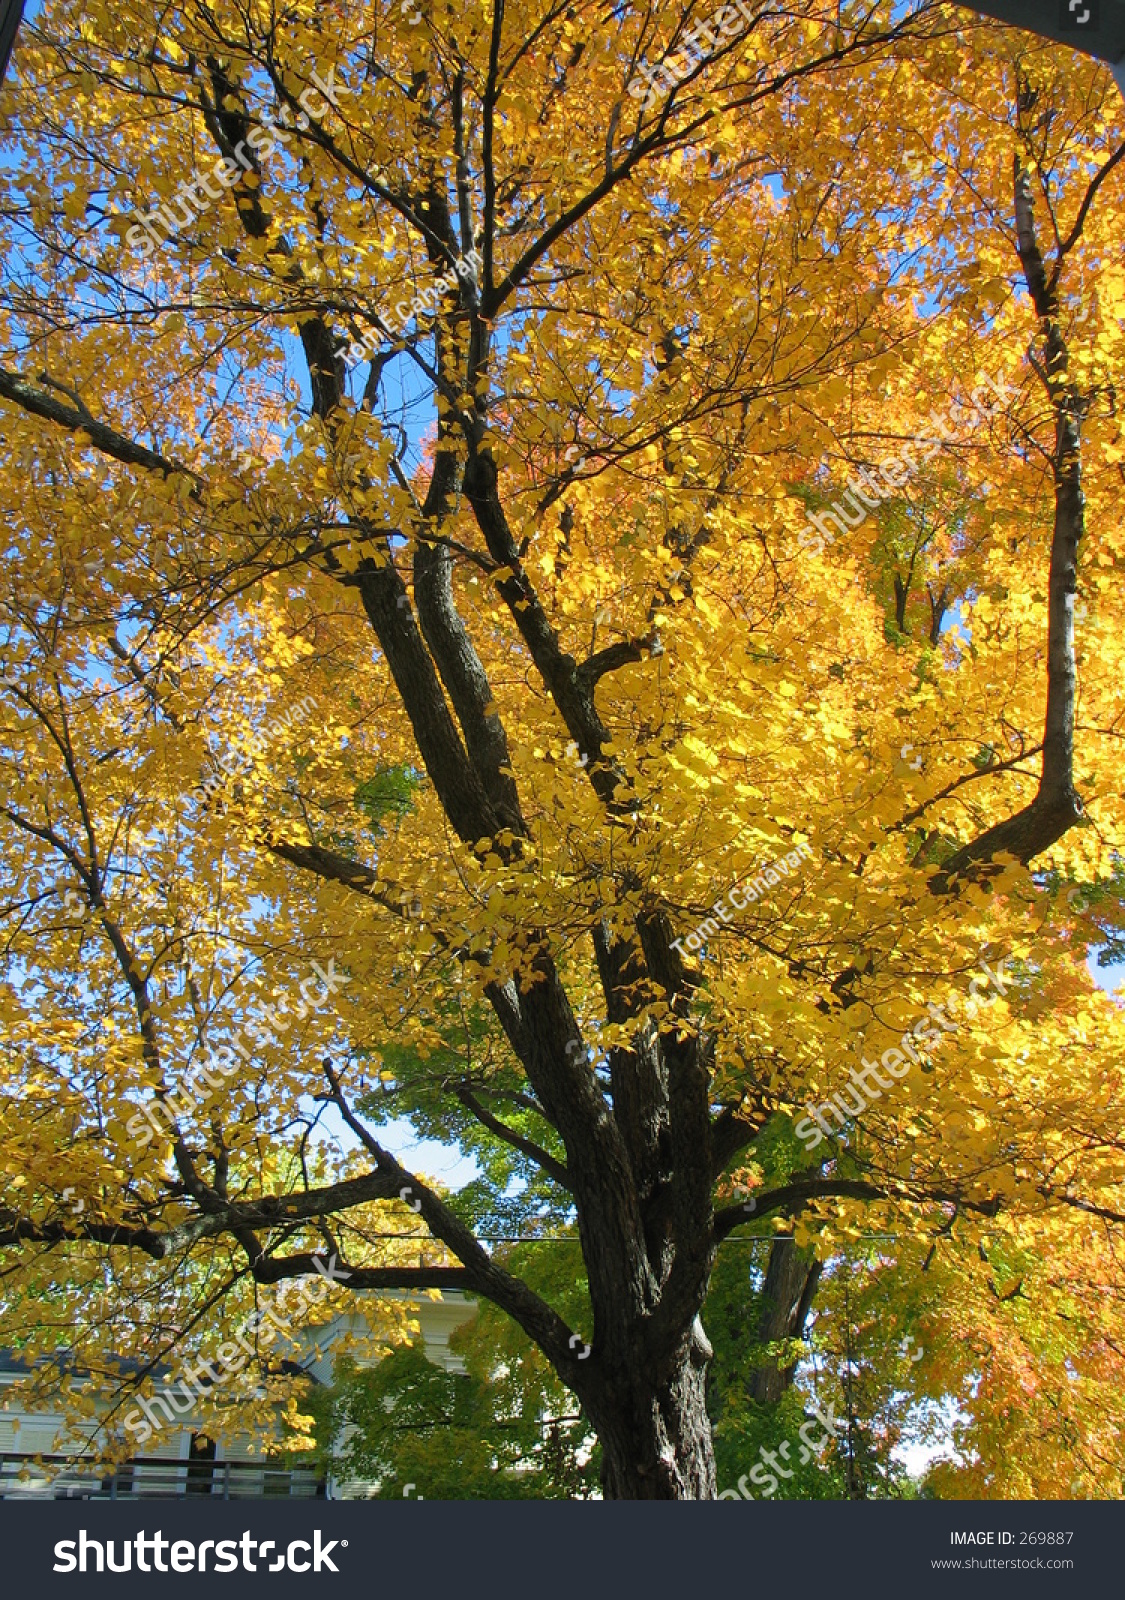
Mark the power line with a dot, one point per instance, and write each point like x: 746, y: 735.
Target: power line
x: 565, y: 1238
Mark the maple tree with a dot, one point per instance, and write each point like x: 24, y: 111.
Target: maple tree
x: 576, y: 672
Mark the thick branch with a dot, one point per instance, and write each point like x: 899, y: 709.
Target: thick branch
x: 484, y: 1275
x: 1057, y: 805
x: 272, y: 1270
x: 793, y: 1197
x: 731, y: 1132
x: 111, y: 443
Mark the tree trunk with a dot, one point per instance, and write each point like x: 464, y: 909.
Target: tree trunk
x: 654, y: 1431
x: 791, y: 1280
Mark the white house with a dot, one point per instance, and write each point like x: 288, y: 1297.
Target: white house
x: 184, y: 1461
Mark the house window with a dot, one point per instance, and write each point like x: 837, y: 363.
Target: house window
x: 201, y: 1464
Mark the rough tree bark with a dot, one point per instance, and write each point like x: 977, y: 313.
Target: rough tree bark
x: 791, y: 1279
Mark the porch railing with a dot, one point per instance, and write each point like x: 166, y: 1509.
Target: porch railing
x: 57, y: 1477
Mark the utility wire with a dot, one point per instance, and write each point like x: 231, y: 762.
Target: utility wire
x: 566, y: 1238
